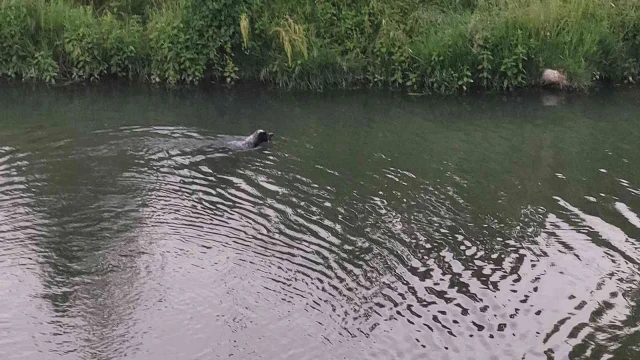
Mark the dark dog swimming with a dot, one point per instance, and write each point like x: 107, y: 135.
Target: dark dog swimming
x: 233, y: 143
x: 259, y: 137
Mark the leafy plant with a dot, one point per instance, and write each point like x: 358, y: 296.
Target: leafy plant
x: 292, y: 36
x: 443, y: 46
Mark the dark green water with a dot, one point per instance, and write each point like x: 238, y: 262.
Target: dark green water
x: 374, y: 227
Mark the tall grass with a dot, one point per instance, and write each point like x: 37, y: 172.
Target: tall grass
x: 443, y: 46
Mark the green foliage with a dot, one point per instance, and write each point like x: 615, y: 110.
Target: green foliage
x: 199, y: 36
x: 167, y: 48
x: 42, y: 68
x: 122, y: 46
x: 15, y: 32
x: 442, y: 46
x: 81, y: 44
x: 292, y: 37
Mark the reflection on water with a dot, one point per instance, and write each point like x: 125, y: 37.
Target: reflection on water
x: 375, y: 227
x: 553, y: 99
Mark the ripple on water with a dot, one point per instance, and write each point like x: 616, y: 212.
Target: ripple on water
x: 162, y: 246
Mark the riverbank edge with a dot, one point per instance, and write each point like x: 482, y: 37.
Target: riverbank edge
x: 496, y: 46
x: 261, y: 86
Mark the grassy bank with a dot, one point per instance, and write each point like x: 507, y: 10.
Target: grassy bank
x: 441, y: 46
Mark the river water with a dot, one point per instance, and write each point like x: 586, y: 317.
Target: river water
x: 375, y: 226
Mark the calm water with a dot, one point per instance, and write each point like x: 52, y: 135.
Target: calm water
x: 375, y: 226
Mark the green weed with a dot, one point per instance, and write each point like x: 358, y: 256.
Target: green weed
x: 442, y: 46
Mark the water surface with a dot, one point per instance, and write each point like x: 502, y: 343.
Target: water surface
x: 376, y: 226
